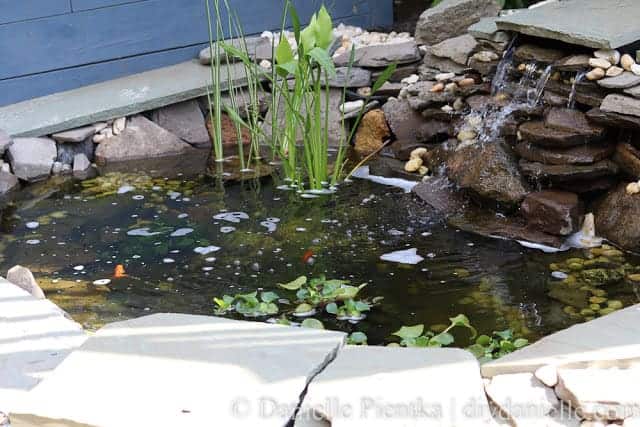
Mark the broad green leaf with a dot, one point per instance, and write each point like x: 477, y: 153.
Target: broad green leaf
x: 288, y: 68
x: 269, y: 296
x: 312, y: 323
x: 332, y: 308
x: 321, y: 56
x: 357, y: 338
x: 483, y: 340
x: 462, y: 320
x: 384, y: 77
x: 284, y: 52
x: 294, y: 285
x: 444, y: 339
x: 520, y: 342
x: 268, y: 308
x: 408, y: 332
x: 308, y: 36
x: 420, y: 342
x: 324, y: 29
x: 507, y: 346
x: 507, y: 334
x: 304, y: 308
x: 477, y: 350
x: 362, y: 306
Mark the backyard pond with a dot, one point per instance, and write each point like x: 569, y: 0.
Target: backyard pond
x: 128, y: 244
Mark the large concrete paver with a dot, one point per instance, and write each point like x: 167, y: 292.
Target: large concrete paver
x: 183, y: 370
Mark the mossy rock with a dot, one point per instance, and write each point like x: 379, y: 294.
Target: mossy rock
x: 601, y: 276
x: 569, y: 296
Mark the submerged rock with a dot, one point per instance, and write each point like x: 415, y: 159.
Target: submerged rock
x: 618, y: 218
x: 372, y: 133
x: 32, y: 158
x: 451, y: 18
x: 489, y: 171
x: 552, y: 211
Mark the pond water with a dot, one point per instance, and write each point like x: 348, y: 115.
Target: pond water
x: 163, y: 234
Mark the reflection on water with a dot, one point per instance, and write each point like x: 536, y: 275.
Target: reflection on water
x: 126, y: 245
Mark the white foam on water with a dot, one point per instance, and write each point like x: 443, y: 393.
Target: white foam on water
x: 78, y: 267
x: 101, y: 282
x: 181, y: 232
x: 32, y: 225
x: 227, y: 230
x: 559, y: 275
x: 544, y: 248
x: 234, y: 217
x: 138, y: 197
x: 168, y: 261
x: 206, y: 250
x: 142, y: 232
x: 408, y: 256
x: 363, y: 173
x: 270, y: 226
x: 126, y: 189
x: 183, y: 216
x: 173, y: 195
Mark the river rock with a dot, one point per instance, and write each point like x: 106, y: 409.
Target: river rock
x: 621, y: 104
x: 75, y: 135
x: 532, y: 52
x: 617, y: 215
x: 580, y: 154
x: 354, y: 78
x: 628, y: 158
x: 409, y: 125
x: 601, y: 394
x: 622, y: 81
x: 577, y: 62
x: 432, y: 62
x: 458, y: 49
x: 614, y: 120
x: 372, y: 133
x: 81, y: 166
x: 8, y: 183
x: 142, y: 139
x: 552, y: 211
x: 538, y: 133
x: 381, y: 55
x: 32, y: 158
x: 186, y: 121
x: 560, y: 173
x: 451, y: 18
x: 489, y: 171
x: 23, y: 278
x: 5, y: 141
x: 633, y: 91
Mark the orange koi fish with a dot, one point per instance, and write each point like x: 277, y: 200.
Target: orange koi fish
x: 119, y: 272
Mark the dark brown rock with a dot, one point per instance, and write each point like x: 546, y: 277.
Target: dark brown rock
x: 402, y: 149
x: 230, y: 132
x: 618, y: 218
x: 554, y: 212
x: 531, y: 52
x: 573, y: 121
x: 587, y: 93
x: 587, y: 186
x: 391, y: 168
x: 555, y: 99
x: 441, y: 194
x: 437, y: 156
x: 408, y: 125
x: 489, y: 171
x: 560, y: 173
x: 484, y: 68
x: 615, y: 120
x: 576, y: 62
x: 628, y: 158
x: 538, y: 133
x: 442, y: 116
x: 580, y: 154
x: 372, y: 133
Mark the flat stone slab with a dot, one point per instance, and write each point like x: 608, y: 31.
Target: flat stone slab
x: 109, y: 100
x: 623, y: 81
x: 182, y: 370
x: 379, y: 386
x: 618, y: 341
x: 615, y: 103
x: 590, y: 23
x: 35, y: 337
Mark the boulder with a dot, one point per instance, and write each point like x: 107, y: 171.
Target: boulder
x: 618, y: 218
x: 68, y: 150
x: 554, y: 212
x: 372, y: 133
x: 408, y: 125
x: 489, y: 171
x: 23, y: 278
x: 75, y: 135
x: 32, y: 158
x: 458, y: 49
x: 614, y: 120
x: 560, y: 173
x: 451, y: 18
x: 628, y: 158
x: 623, y: 81
x: 5, y: 142
x: 577, y: 155
x: 535, y: 53
x: 354, y: 78
x: 381, y: 55
x: 186, y: 121
x: 142, y: 139
x: 538, y: 133
x: 8, y: 183
x: 81, y: 166
x: 615, y: 103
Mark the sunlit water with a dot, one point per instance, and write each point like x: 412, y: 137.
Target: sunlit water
x: 183, y: 242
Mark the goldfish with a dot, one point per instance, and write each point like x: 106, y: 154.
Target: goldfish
x: 308, y: 255
x: 119, y: 272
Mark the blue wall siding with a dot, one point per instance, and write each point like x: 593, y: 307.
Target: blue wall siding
x: 48, y: 46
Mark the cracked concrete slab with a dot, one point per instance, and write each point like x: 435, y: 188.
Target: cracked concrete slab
x: 387, y: 386
x: 184, y: 370
x: 35, y: 337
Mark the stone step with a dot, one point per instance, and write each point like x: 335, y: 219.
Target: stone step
x: 563, y: 173
x: 109, y: 100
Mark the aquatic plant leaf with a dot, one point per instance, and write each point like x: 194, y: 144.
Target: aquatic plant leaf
x: 362, y: 306
x: 484, y: 340
x: 321, y: 56
x: 267, y: 308
x: 506, y: 335
x: 324, y: 28
x: 443, y: 339
x: 477, y: 350
x: 384, y: 77
x: 288, y: 68
x: 507, y: 347
x: 284, y: 52
x: 332, y: 308
x: 357, y: 338
x: 462, y: 320
x: 308, y: 36
x: 295, y: 22
x: 520, y: 342
x: 269, y: 297
x: 304, y: 308
x: 294, y: 285
x: 312, y: 323
x: 408, y: 332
